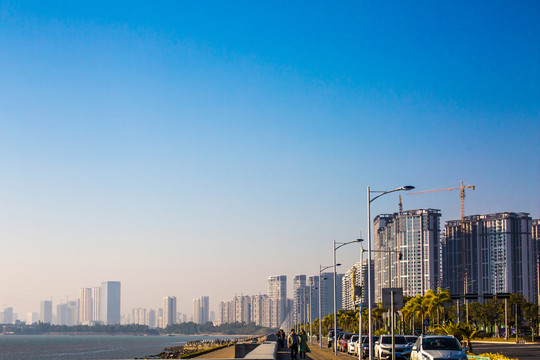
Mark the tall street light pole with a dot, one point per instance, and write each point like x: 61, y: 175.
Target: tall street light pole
x: 321, y: 269
x: 337, y: 245
x: 370, y: 290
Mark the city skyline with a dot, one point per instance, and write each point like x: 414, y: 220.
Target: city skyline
x: 237, y: 136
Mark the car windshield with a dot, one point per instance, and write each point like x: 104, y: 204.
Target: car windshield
x: 354, y: 338
x: 440, y: 344
x: 397, y: 340
x: 365, y: 340
x: 411, y: 339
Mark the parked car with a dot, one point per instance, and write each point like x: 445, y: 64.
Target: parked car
x: 342, y: 341
x: 431, y: 347
x: 411, y: 339
x: 351, y: 344
x: 331, y: 337
x: 365, y: 345
x: 383, y: 348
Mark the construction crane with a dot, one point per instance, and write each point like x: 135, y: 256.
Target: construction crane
x: 461, y: 189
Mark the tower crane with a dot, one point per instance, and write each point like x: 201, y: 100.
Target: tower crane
x: 461, y: 189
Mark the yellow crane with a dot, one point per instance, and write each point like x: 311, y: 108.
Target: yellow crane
x: 461, y: 189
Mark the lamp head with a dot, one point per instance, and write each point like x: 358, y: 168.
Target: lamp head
x: 406, y: 187
x: 359, y: 240
x: 338, y: 264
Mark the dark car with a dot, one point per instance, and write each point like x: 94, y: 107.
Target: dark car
x: 365, y: 345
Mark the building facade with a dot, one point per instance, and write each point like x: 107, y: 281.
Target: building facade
x: 201, y: 310
x: 86, y: 307
x: 489, y: 255
x: 169, y: 311
x: 45, y: 312
x: 407, y: 252
x: 110, y: 302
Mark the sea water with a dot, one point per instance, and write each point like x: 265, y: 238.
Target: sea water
x: 89, y: 347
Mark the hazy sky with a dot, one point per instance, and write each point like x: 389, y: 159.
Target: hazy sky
x: 195, y: 148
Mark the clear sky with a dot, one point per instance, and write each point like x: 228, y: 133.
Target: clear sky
x: 195, y: 148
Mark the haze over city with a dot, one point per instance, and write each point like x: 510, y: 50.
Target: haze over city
x: 195, y: 148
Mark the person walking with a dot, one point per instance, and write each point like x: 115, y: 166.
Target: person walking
x: 292, y: 342
x: 303, y: 344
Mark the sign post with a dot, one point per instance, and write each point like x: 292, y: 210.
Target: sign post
x: 392, y: 299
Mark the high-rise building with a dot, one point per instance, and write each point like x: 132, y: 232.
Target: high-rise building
x: 299, y: 297
x: 327, y: 293
x: 201, y: 310
x: 8, y: 316
x: 110, y: 302
x: 31, y: 318
x: 313, y: 287
x: 243, y: 309
x: 151, y: 318
x: 407, y: 252
x: 68, y: 313
x: 535, y: 234
x: 169, y: 311
x: 352, y: 278
x: 45, y: 313
x: 86, y: 308
x: 96, y: 304
x: 495, y: 255
x: 277, y: 291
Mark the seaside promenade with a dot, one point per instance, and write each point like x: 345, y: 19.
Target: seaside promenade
x: 282, y: 354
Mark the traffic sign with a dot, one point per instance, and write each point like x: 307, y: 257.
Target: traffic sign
x: 397, y: 298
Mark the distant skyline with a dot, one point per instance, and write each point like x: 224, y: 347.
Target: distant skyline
x: 196, y: 148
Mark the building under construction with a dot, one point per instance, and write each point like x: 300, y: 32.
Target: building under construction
x: 499, y: 257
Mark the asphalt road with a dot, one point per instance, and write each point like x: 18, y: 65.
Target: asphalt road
x: 520, y: 351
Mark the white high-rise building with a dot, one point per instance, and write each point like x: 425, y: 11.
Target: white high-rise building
x: 110, y: 302
x: 407, y: 251
x: 96, y: 304
x: 201, y: 310
x: 299, y: 292
x: 277, y: 291
x: 45, y: 313
x: 169, y: 311
x: 86, y: 308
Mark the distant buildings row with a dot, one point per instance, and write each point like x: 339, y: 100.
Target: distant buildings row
x: 482, y: 257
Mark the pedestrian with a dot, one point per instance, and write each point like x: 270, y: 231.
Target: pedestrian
x: 303, y: 346
x: 292, y: 342
x: 281, y: 338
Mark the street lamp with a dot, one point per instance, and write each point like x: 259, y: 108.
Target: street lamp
x: 339, y: 244
x: 321, y: 269
x: 370, y: 290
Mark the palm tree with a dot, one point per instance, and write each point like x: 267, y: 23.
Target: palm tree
x: 469, y: 332
x: 436, y: 301
x: 414, y: 310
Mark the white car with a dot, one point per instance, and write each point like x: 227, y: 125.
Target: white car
x: 383, y: 347
x: 432, y: 347
x: 351, y: 344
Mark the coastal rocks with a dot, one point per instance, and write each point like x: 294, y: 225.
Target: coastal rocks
x: 191, y: 349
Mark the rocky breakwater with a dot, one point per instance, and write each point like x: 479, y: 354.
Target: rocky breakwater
x: 191, y: 349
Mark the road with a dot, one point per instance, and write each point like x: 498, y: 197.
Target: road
x: 520, y: 351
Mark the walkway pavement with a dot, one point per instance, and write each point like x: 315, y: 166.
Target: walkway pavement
x: 315, y: 354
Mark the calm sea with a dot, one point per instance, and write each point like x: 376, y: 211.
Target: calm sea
x: 88, y: 347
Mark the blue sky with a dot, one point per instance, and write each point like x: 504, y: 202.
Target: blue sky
x: 195, y: 148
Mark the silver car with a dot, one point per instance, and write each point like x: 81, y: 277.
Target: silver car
x: 438, y: 347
